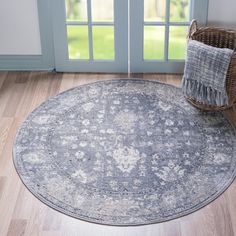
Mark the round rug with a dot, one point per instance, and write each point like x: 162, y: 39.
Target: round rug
x: 124, y: 152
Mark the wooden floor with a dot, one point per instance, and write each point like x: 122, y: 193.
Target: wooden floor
x: 23, y: 214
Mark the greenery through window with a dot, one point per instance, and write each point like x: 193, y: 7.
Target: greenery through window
x: 103, y: 39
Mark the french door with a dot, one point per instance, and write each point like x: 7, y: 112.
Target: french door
x: 123, y: 35
x: 158, y: 30
x: 90, y: 38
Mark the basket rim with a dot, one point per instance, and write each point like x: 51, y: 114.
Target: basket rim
x: 202, y: 29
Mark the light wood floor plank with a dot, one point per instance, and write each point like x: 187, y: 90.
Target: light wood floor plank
x: 222, y: 218
x: 8, y: 200
x: 5, y: 124
x: 13, y: 100
x: 231, y: 200
x: 3, y: 75
x: 200, y: 223
x: 26, y: 102
x: 3, y: 180
x: 6, y: 90
x: 67, y: 81
x: 17, y: 227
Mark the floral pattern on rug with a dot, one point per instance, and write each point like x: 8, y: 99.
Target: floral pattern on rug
x: 125, y: 152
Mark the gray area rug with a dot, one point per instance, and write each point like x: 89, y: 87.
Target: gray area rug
x: 124, y: 152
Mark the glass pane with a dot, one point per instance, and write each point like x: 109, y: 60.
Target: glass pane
x: 154, y: 42
x: 76, y: 10
x: 78, y: 42
x: 103, y: 42
x: 179, y: 10
x: 102, y: 10
x: 177, y: 42
x: 154, y: 10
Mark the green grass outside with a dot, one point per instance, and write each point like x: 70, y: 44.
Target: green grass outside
x: 103, y: 42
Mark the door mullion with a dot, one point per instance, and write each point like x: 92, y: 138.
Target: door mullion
x: 167, y: 21
x: 90, y: 32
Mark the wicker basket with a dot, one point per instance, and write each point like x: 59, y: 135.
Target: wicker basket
x: 221, y: 38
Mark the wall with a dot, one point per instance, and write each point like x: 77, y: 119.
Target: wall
x: 19, y: 27
x: 222, y: 13
x: 21, y: 36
